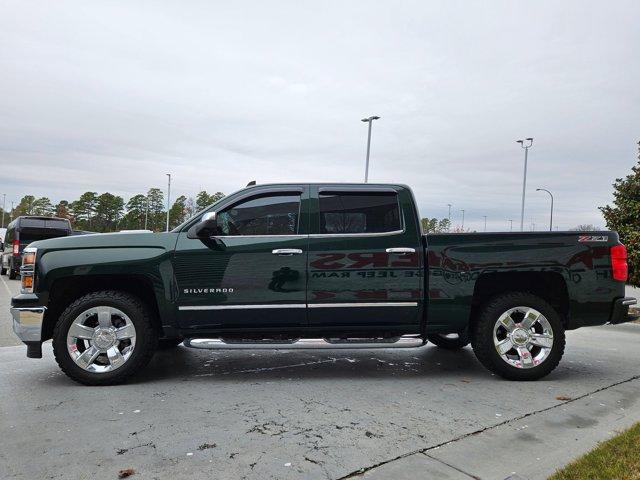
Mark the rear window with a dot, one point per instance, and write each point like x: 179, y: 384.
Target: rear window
x: 44, y: 223
x: 348, y: 213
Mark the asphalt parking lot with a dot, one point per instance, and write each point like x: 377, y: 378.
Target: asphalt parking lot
x: 374, y: 414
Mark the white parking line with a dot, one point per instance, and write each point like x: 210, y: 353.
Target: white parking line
x: 4, y: 282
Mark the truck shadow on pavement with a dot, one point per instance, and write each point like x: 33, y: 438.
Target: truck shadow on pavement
x: 425, y: 362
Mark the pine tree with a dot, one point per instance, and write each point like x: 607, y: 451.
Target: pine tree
x: 108, y: 210
x: 156, y: 215
x: 42, y: 206
x: 178, y: 212
x: 62, y: 210
x: 624, y: 217
x: 25, y: 207
x: 136, y: 208
x: 203, y: 199
x: 84, y: 208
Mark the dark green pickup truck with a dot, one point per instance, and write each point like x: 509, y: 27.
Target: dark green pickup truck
x: 315, y: 266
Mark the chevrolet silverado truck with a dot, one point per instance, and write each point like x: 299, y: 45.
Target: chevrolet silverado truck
x: 315, y: 266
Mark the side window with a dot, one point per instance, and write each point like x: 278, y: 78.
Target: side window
x: 264, y: 215
x: 359, y: 213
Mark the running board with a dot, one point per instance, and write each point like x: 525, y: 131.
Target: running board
x: 405, y: 341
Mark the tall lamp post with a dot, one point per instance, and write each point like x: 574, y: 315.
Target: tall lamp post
x: 4, y: 201
x: 449, y: 217
x: 168, y: 199
x: 485, y: 223
x: 462, y: 220
x: 526, y: 146
x: 368, y: 120
x: 551, y: 195
x: 510, y: 225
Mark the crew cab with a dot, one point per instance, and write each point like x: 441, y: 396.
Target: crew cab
x: 316, y: 266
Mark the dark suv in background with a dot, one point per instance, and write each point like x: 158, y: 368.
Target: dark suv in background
x: 24, y: 230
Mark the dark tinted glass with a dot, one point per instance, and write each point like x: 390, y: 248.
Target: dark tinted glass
x: 26, y: 237
x: 268, y: 215
x: 45, y: 223
x: 359, y: 213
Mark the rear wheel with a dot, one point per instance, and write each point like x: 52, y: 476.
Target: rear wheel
x: 3, y: 271
x: 519, y: 336
x: 449, y: 341
x: 103, y: 338
x: 13, y: 274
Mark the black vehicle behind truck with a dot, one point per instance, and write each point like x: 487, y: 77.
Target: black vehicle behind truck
x: 316, y: 265
x: 24, y: 230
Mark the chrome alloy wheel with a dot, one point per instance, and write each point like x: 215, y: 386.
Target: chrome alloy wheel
x: 523, y: 337
x: 101, y: 339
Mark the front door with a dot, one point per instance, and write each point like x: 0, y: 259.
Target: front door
x: 253, y: 274
x: 365, y: 259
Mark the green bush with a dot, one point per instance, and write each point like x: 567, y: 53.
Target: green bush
x: 624, y: 217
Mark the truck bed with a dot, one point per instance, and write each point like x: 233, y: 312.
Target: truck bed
x: 575, y: 267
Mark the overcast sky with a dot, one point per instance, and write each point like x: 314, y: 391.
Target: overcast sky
x: 110, y: 96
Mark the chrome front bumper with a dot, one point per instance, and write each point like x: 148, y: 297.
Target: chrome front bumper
x: 27, y: 323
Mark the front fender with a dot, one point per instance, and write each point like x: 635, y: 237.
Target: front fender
x: 152, y: 263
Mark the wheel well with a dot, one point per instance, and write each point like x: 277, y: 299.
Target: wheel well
x: 65, y: 290
x: 549, y: 286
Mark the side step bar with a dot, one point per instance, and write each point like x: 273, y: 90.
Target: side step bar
x: 405, y: 341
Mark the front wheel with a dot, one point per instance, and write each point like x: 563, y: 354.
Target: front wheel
x: 13, y: 274
x: 519, y: 336
x: 104, y: 337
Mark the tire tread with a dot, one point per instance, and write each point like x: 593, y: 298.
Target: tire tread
x: 144, y: 331
x: 482, y: 337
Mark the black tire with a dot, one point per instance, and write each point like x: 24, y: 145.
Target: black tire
x: 13, y: 274
x: 483, y: 332
x: 3, y: 271
x: 168, y: 343
x: 145, y: 344
x: 447, y: 342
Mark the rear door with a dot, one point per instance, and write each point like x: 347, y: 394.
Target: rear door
x: 254, y: 275
x: 365, y: 257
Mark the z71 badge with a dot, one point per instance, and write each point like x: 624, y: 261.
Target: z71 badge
x: 593, y: 238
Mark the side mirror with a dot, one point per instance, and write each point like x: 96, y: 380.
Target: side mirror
x: 207, y: 227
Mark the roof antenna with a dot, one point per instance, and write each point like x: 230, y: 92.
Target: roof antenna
x: 251, y: 183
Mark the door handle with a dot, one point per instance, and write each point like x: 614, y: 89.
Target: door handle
x: 401, y: 250
x: 286, y: 251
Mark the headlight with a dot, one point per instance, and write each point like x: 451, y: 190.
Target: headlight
x: 27, y: 270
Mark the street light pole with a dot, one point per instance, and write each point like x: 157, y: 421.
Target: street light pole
x: 368, y: 120
x: 551, y: 195
x: 510, y: 225
x: 449, y: 217
x: 4, y: 201
x: 526, y: 147
x: 168, y: 199
x: 485, y: 223
x: 462, y: 220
